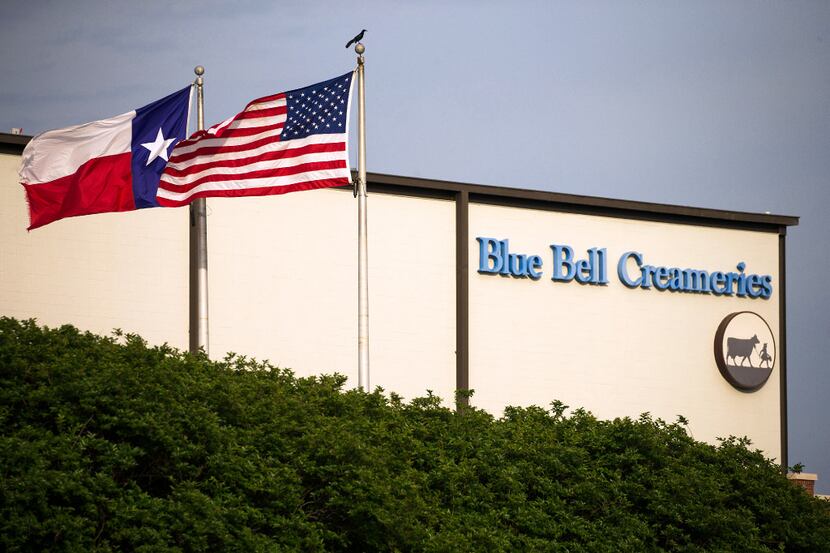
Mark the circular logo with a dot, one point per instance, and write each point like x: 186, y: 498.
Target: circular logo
x: 745, y: 350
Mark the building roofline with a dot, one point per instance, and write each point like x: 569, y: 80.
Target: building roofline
x: 478, y: 193
x: 13, y: 143
x: 584, y: 204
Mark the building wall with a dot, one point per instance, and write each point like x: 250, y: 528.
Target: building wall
x: 282, y: 280
x: 614, y: 350
x: 282, y: 286
x: 113, y: 270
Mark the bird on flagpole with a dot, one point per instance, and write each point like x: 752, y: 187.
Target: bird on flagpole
x: 356, y: 39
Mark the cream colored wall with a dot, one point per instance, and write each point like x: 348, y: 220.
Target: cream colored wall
x: 283, y: 286
x: 613, y: 350
x: 282, y: 280
x: 100, y: 272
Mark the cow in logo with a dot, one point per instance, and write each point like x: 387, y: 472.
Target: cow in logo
x: 741, y: 347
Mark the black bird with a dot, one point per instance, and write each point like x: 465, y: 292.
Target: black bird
x: 356, y: 39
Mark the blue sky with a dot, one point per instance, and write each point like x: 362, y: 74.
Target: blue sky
x: 722, y: 104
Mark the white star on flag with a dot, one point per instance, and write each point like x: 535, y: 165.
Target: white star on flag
x: 158, y: 148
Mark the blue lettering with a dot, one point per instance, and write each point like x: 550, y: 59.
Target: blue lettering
x: 741, y: 279
x: 676, y: 282
x: 695, y: 281
x: 584, y: 271
x: 563, y: 258
x: 754, y: 285
x: 518, y: 265
x: 621, y: 268
x: 534, y: 266
x: 767, y: 284
x: 731, y: 279
x: 505, y: 253
x: 661, y: 276
x: 494, y: 257
x: 647, y: 271
x: 602, y: 274
x: 718, y: 280
x: 595, y: 267
x: 489, y: 249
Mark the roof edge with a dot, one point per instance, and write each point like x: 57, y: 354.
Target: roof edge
x: 579, y: 202
x: 13, y: 143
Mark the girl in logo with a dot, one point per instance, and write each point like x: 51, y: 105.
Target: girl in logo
x: 765, y: 357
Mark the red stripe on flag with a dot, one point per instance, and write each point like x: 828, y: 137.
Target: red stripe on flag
x: 261, y: 173
x: 100, y: 185
x: 198, y: 136
x: 269, y: 112
x: 264, y: 99
x: 242, y: 161
x: 221, y: 149
x: 265, y: 191
x: 234, y: 133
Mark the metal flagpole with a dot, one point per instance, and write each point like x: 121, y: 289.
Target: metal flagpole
x: 362, y: 243
x: 198, y: 245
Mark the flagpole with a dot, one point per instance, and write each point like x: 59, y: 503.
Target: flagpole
x: 198, y: 245
x: 362, y: 244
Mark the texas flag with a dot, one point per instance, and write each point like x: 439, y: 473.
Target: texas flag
x: 104, y: 166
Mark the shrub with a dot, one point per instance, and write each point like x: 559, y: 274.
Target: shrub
x: 110, y: 445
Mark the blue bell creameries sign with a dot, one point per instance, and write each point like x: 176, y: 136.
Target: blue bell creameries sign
x: 495, y: 258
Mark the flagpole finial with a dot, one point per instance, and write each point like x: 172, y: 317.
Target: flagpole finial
x: 359, y: 48
x: 199, y: 70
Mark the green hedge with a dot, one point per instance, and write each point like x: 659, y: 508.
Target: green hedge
x: 110, y: 445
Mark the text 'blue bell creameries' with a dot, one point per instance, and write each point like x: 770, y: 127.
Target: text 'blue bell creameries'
x: 495, y: 258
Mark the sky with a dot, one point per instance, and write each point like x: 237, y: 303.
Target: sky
x: 722, y: 104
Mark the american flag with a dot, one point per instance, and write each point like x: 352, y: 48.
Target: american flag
x: 295, y: 140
